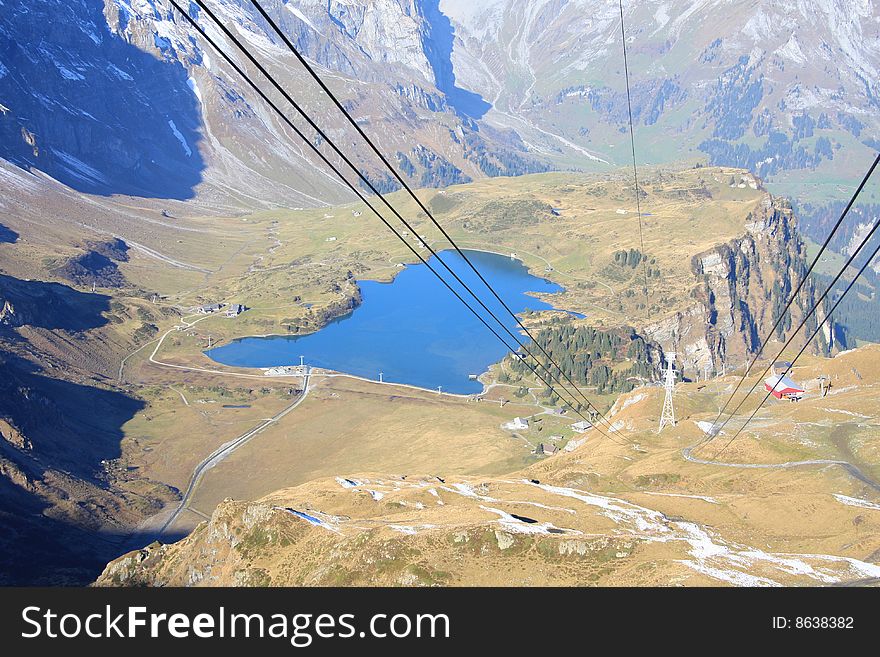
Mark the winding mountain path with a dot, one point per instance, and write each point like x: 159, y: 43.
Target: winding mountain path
x: 846, y: 465
x: 219, y: 454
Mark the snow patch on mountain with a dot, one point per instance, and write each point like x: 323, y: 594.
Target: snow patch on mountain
x: 67, y: 74
x: 792, y: 51
x: 859, y: 235
x: 661, y: 16
x: 193, y: 85
x: 118, y: 72
x: 180, y: 137
x: 857, y: 502
x: 305, y: 19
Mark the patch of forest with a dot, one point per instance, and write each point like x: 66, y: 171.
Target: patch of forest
x: 858, y: 315
x: 612, y: 361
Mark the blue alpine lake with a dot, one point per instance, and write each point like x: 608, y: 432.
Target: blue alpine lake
x: 413, y: 329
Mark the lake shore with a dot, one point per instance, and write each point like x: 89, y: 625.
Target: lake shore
x: 411, y: 327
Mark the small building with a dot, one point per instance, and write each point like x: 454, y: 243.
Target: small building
x: 283, y: 370
x: 781, y: 366
x: 581, y: 427
x: 548, y: 450
x: 783, y: 387
x: 517, y: 424
x: 556, y: 437
x: 235, y: 310
x: 207, y: 309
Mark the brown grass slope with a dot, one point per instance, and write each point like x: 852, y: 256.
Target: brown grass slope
x: 601, y: 514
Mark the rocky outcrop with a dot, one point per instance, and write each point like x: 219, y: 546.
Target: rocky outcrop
x: 13, y: 436
x: 741, y: 291
x: 97, y: 265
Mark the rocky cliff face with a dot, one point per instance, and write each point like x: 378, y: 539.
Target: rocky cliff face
x: 89, y: 108
x: 743, y: 287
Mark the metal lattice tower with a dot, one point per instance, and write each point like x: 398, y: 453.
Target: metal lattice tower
x: 667, y: 417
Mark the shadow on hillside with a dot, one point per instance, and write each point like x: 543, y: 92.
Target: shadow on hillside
x: 57, y: 434
x: 53, y: 306
x: 38, y: 550
x: 71, y: 428
x: 442, y: 39
x: 7, y: 235
x: 93, y: 111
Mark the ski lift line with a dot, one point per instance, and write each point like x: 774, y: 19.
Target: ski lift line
x: 803, y: 321
x: 806, y: 344
x: 632, y: 139
x: 800, y: 286
x: 413, y: 195
x: 357, y: 192
x: 369, y: 205
x: 397, y: 214
x: 367, y: 182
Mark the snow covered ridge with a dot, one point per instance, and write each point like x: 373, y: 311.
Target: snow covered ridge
x: 855, y: 501
x: 707, y: 552
x: 729, y: 562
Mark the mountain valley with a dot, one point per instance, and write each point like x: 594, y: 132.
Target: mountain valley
x: 153, y: 208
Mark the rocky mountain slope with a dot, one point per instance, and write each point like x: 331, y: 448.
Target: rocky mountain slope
x: 757, y: 85
x: 117, y: 96
x: 65, y: 504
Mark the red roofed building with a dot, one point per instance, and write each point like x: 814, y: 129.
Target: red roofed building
x: 783, y: 387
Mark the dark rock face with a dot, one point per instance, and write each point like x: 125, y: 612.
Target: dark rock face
x: 90, y: 109
x: 438, y: 48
